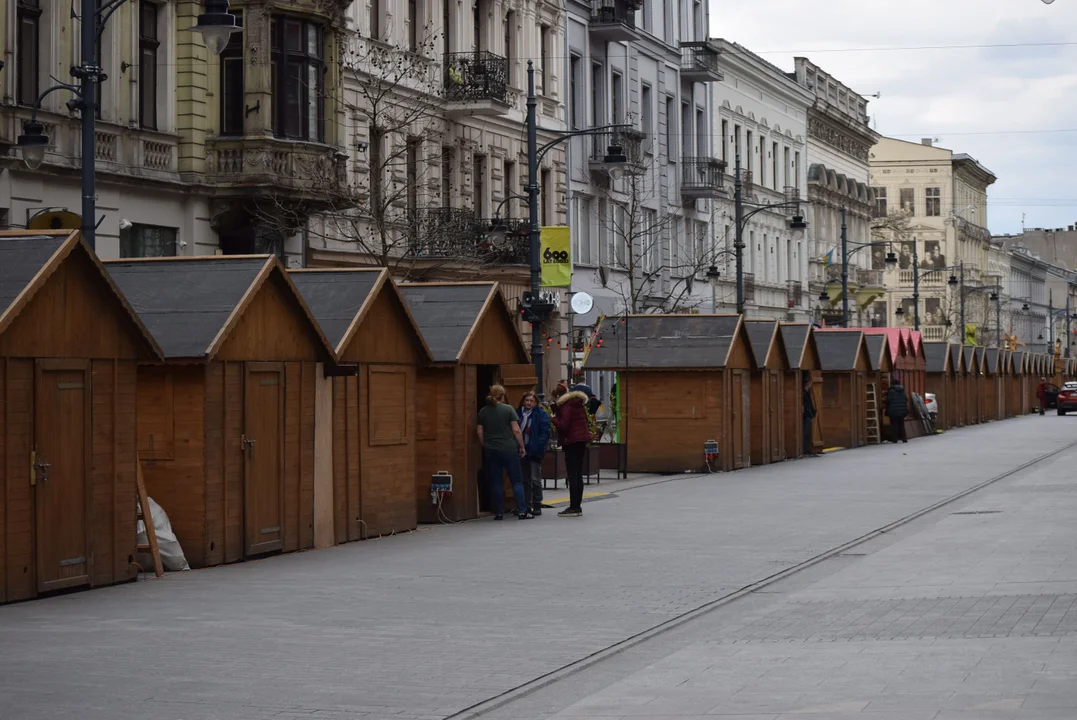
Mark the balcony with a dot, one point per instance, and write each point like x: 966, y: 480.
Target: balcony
x: 699, y: 61
x: 251, y: 165
x: 702, y: 178
x: 456, y: 234
x: 476, y: 83
x: 614, y: 20
x: 866, y: 278
x: 630, y: 142
x: 936, y: 280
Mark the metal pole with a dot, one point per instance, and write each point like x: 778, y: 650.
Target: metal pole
x: 90, y: 73
x: 738, y: 246
x: 915, y: 288
x: 998, y: 314
x: 844, y: 271
x: 1069, y: 331
x: 961, y: 290
x: 1050, y: 321
x: 533, y: 216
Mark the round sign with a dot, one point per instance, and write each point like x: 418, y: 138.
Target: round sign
x: 582, y: 303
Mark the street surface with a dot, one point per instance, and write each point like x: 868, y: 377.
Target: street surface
x: 947, y: 616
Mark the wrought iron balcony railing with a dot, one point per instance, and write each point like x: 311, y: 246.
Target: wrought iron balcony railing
x: 699, y: 61
x: 475, y: 77
x: 702, y: 176
x: 614, y: 20
x: 456, y: 234
x: 630, y: 141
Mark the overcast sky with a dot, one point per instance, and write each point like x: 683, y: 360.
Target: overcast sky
x: 943, y: 93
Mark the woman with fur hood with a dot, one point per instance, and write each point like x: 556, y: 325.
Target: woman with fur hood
x: 573, y: 433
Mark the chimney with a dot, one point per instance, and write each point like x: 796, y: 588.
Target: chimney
x: 927, y: 141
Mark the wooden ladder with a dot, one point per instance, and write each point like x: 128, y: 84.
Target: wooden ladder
x: 145, y: 516
x: 874, y: 437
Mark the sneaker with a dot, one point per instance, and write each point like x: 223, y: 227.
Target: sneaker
x: 524, y: 516
x: 536, y: 511
x: 499, y: 517
x: 570, y: 512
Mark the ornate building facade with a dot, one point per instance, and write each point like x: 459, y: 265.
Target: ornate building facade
x: 839, y: 143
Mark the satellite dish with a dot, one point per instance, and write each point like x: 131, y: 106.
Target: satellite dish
x: 582, y: 303
x: 55, y: 220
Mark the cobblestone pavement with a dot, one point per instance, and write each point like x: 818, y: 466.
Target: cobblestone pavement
x: 426, y: 624
x: 969, y: 615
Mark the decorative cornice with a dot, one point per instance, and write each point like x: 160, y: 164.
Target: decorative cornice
x: 840, y: 139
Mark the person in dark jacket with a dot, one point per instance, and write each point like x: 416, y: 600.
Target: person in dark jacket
x: 573, y: 433
x: 808, y: 417
x: 535, y: 426
x: 897, y: 407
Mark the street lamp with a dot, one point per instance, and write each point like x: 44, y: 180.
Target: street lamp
x: 796, y: 224
x: 216, y: 25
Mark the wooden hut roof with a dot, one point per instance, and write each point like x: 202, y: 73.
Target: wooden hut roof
x: 28, y: 259
x: 972, y: 364
x: 449, y: 316
x: 896, y: 341
x: 1019, y: 360
x: 957, y: 359
x: 916, y: 342
x: 768, y: 346
x: 341, y: 299
x: 938, y: 357
x: 992, y: 361
x: 1006, y: 363
x: 800, y: 346
x: 842, y: 350
x: 670, y: 342
x: 191, y: 305
x: 879, y: 351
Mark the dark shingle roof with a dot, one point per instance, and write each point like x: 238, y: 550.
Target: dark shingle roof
x: 185, y: 303
x: 663, y: 342
x: 876, y: 346
x: 760, y: 334
x: 955, y: 358
x: 795, y: 338
x: 937, y: 353
x: 445, y: 314
x: 991, y: 359
x: 838, y: 349
x: 335, y: 298
x: 21, y: 258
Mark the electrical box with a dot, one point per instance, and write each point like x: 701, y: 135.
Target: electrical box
x: 710, y: 450
x: 441, y: 481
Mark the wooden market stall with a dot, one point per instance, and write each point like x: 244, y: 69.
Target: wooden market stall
x: 474, y: 343
x: 878, y: 384
x: 991, y: 367
x: 685, y: 380
x: 915, y: 379
x: 803, y: 356
x: 973, y: 381
x: 69, y: 348
x: 768, y: 402
x: 1007, y: 376
x: 959, y: 418
x: 226, y: 426
x: 1019, y: 388
x: 941, y: 382
x: 367, y: 486
x: 845, y: 368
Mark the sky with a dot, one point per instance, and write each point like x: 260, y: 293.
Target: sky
x: 990, y: 102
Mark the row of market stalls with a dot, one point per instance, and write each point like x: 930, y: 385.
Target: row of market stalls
x: 269, y: 411
x: 721, y: 392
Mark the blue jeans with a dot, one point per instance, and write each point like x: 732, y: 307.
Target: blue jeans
x: 498, y: 462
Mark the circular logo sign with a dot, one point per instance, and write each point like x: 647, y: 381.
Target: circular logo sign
x: 582, y: 303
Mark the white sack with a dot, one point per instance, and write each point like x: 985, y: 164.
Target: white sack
x: 171, y: 553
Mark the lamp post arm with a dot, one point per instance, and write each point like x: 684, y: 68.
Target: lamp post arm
x: 103, y: 14
x: 749, y: 214
x: 860, y: 246
x: 565, y: 135
x: 74, y: 89
x: 497, y: 210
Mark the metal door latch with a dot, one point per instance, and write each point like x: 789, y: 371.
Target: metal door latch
x: 39, y: 469
x: 248, y: 444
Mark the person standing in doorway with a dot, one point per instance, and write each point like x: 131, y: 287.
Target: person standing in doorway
x: 502, y: 448
x: 897, y: 407
x: 535, y: 426
x: 573, y: 433
x: 1041, y: 394
x: 808, y: 417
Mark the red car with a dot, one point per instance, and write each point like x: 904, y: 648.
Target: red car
x: 1067, y: 398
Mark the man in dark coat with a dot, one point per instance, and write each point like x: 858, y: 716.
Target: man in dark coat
x: 808, y: 417
x: 897, y: 407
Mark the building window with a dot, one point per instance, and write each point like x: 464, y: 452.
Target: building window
x: 796, y: 170
x: 934, y: 202
x: 880, y: 202
x: 447, y: 156
x: 544, y: 57
x: 413, y: 25
x: 725, y: 139
x: 788, y: 167
x: 478, y: 181
x: 774, y: 165
x: 646, y: 117
x: 762, y: 162
x: 908, y: 200
x: 140, y: 241
x: 413, y: 149
x: 749, y: 146
x: 510, y: 50
x: 148, y: 45
x: 298, y: 68
x: 701, y: 133
x: 671, y: 130
x: 232, y: 83
x: 510, y: 186
x: 576, y: 80
x: 376, y: 15
x: 598, y: 107
x: 546, y: 198
x: 617, y: 97
x: 28, y: 51
x: 686, y: 130
x: 645, y: 11
x: 582, y: 224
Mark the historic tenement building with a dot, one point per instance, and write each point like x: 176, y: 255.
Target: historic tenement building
x: 839, y: 143
x: 936, y: 203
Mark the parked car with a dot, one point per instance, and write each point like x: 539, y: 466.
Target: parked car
x: 932, y: 405
x: 1050, y: 396
x: 1067, y: 398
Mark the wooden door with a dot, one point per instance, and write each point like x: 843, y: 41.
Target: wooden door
x: 818, y: 442
x: 860, y: 421
x: 263, y: 458
x: 739, y: 420
x: 60, y: 474
x: 777, y: 417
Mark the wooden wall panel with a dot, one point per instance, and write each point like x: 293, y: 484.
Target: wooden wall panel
x: 233, y: 462
x: 19, y: 393
x: 663, y: 442
x: 387, y: 455
x: 308, y: 426
x: 187, y: 489
x: 157, y: 413
x: 464, y: 438
x: 353, y: 428
x: 293, y: 415
x: 494, y: 341
x: 436, y: 414
x: 760, y: 416
x: 838, y: 411
x: 216, y: 497
x: 340, y: 461
x: 5, y: 480
x: 125, y: 441
x: 385, y: 335
x: 793, y: 415
x: 103, y: 487
x: 272, y: 328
